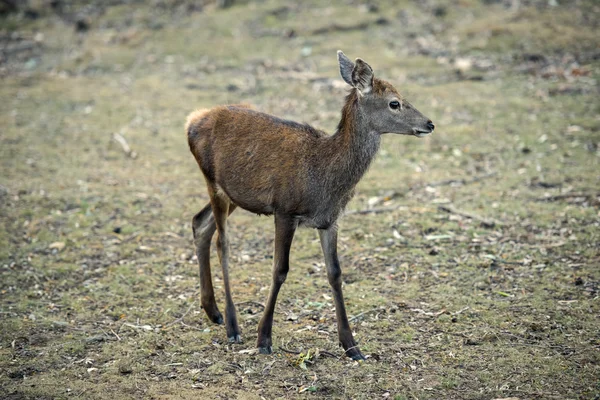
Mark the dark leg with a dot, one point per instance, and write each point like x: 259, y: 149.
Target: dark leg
x: 334, y: 274
x: 284, y: 234
x: 220, y: 207
x: 204, y: 227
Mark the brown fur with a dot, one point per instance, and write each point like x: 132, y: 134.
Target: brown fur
x: 380, y: 87
x: 281, y: 150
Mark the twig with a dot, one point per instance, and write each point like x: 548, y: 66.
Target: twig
x: 341, y: 28
x: 500, y: 260
x: 288, y: 351
x: 487, y: 223
x: 326, y: 353
x: 323, y: 352
x: 347, y: 350
x: 143, y: 327
x: 464, y: 181
x: 364, y: 312
x: 372, y: 210
x: 114, y: 333
x: 126, y: 149
x: 191, y: 327
x: 565, y: 196
x: 255, y: 303
x: 130, y: 237
x: 461, y: 311
x: 429, y: 314
x: 98, y: 338
x: 180, y: 319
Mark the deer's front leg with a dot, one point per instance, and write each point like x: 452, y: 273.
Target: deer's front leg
x: 334, y: 274
x: 285, y: 226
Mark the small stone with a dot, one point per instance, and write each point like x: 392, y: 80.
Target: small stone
x: 82, y: 24
x: 125, y: 367
x: 57, y: 245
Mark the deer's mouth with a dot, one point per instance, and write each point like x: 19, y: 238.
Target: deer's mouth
x: 422, y: 132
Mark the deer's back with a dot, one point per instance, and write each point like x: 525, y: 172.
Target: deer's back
x: 261, y: 162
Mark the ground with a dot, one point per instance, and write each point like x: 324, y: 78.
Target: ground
x: 470, y: 257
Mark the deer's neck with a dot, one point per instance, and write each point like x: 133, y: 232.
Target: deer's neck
x: 354, y: 146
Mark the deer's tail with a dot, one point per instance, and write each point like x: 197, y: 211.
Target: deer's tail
x: 194, y: 119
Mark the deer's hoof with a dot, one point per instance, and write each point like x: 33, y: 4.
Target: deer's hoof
x: 217, y: 319
x: 355, y: 354
x: 235, y: 339
x: 213, y: 313
x: 265, y: 350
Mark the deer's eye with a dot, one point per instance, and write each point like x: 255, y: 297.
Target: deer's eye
x: 394, y: 105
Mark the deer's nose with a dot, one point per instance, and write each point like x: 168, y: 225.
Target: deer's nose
x: 430, y: 125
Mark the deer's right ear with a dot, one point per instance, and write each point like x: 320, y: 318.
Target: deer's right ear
x: 362, y: 76
x: 346, y: 67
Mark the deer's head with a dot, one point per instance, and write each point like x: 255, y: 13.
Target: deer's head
x: 384, y: 108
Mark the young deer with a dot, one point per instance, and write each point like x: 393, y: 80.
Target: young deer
x: 303, y: 176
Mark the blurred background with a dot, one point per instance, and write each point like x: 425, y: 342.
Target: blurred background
x: 470, y: 257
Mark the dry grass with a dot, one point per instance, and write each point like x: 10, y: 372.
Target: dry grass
x: 99, y: 289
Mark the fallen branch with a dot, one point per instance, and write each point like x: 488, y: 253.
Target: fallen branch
x: 365, y: 312
x: 500, y: 260
x: 346, y: 28
x: 180, y: 319
x: 585, y: 196
x: 372, y: 210
x: 191, y: 327
x: 98, y: 338
x: 115, y: 333
x: 288, y: 351
x: 486, y: 223
x: 142, y: 327
x: 457, y: 181
x: 317, y: 352
x: 326, y: 353
x: 429, y: 314
x: 253, y: 303
x: 126, y: 149
x: 347, y: 350
x: 461, y: 311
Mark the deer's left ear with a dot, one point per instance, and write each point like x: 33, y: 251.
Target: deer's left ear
x: 362, y: 76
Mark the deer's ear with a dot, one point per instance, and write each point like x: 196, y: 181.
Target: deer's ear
x: 346, y: 67
x: 362, y: 76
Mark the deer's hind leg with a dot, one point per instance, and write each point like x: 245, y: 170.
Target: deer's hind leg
x: 204, y: 227
x: 221, y: 207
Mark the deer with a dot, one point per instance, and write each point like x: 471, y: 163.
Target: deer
x: 299, y: 174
